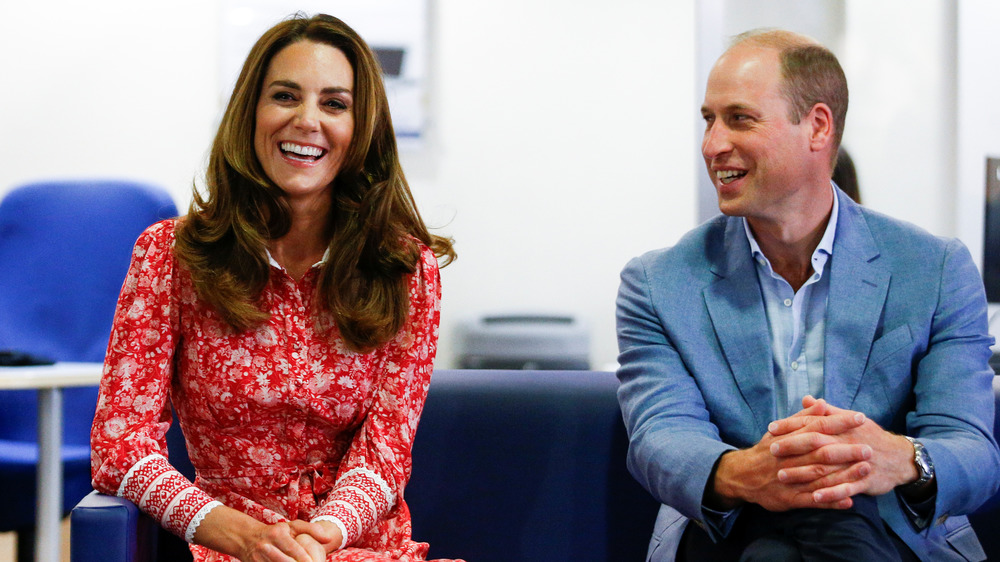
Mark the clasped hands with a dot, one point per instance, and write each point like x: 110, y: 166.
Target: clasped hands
x: 297, y: 541
x: 820, y: 457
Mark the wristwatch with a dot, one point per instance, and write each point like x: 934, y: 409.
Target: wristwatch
x: 925, y: 468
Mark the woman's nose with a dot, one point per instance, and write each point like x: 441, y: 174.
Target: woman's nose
x: 307, y: 118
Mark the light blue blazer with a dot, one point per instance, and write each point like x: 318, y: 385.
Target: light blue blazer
x: 906, y: 343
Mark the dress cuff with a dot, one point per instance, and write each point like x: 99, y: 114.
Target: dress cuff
x: 360, y: 497
x: 339, y: 524
x: 166, y: 495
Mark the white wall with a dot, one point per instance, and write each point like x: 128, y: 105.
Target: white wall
x: 558, y: 155
x: 560, y: 141
x: 107, y: 88
x: 978, y: 127
x: 902, y: 118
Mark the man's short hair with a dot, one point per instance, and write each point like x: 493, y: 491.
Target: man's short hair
x: 810, y: 72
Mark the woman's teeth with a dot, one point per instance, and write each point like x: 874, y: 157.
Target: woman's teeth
x: 308, y: 152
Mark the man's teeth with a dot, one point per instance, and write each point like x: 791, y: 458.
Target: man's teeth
x: 728, y: 176
x: 312, y: 151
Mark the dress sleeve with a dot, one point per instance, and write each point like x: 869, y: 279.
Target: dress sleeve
x: 377, y: 465
x: 128, y: 442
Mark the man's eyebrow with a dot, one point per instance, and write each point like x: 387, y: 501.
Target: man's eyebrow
x: 295, y: 86
x: 739, y: 108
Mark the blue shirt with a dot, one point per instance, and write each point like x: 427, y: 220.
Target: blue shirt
x: 797, y: 321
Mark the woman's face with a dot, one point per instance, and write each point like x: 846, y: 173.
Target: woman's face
x: 305, y: 118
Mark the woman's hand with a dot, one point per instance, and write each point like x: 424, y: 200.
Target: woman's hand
x: 319, y: 538
x: 314, y: 548
x: 235, y: 533
x: 275, y: 543
x: 298, y: 541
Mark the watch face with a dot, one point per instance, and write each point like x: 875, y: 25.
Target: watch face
x: 923, y: 461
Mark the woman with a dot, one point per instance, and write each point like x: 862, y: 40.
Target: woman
x: 291, y: 318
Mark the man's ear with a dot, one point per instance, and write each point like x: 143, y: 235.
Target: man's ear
x: 822, y: 129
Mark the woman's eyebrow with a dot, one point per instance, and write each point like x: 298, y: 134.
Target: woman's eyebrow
x: 285, y: 84
x: 295, y: 86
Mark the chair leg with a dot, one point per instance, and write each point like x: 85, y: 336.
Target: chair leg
x: 26, y: 544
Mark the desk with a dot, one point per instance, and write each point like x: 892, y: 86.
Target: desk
x: 49, y: 380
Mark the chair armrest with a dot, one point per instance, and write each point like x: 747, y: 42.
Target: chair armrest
x: 110, y: 529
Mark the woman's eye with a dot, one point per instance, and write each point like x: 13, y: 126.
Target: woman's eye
x: 283, y: 96
x: 335, y: 104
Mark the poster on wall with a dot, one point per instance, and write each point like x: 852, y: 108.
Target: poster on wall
x: 395, y: 29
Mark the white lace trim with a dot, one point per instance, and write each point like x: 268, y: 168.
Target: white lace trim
x: 353, y: 512
x: 153, y: 486
x: 387, y: 492
x: 135, y: 468
x: 372, y: 503
x: 196, y: 520
x: 339, y: 524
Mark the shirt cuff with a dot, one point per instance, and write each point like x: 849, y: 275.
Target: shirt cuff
x: 718, y: 524
x: 920, y: 514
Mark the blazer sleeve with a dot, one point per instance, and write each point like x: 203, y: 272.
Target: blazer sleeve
x: 673, y: 443
x: 953, y: 411
x: 377, y: 466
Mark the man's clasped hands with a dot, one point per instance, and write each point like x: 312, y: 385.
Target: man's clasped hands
x: 820, y: 457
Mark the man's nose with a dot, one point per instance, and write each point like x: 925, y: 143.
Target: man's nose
x: 716, y: 141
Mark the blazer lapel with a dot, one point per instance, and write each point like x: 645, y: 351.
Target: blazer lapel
x: 736, y: 308
x: 858, y: 288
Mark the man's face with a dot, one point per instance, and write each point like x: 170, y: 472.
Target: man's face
x: 755, y: 155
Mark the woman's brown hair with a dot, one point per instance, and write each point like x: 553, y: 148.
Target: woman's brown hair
x: 374, y: 223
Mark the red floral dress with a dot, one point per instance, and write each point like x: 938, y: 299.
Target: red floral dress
x: 282, y: 422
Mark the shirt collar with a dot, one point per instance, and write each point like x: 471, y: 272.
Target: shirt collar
x: 271, y: 260
x: 825, y: 243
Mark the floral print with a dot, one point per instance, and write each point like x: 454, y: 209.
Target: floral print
x: 282, y: 422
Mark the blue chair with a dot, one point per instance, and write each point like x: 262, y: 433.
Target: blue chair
x: 528, y: 466
x: 65, y: 247
x: 507, y: 465
x: 986, y: 519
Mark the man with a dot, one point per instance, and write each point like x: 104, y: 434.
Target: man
x: 775, y: 360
